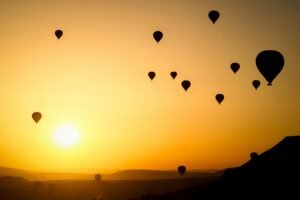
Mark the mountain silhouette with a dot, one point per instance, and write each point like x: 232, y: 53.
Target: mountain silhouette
x: 7, y: 181
x: 5, y: 171
x: 136, y: 174
x: 271, y: 175
x: 159, y: 175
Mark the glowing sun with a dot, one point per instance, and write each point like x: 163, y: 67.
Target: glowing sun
x: 66, y: 136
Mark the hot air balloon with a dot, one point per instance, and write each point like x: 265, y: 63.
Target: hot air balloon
x: 256, y: 84
x: 269, y: 64
x: 213, y: 16
x: 36, y: 116
x: 157, y: 36
x: 151, y: 75
x: 185, y: 84
x: 235, y: 67
x: 98, y: 177
x: 253, y: 155
x: 58, y: 33
x: 173, y: 74
x: 219, y: 98
x: 181, y: 170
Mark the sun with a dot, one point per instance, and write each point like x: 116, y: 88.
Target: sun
x: 66, y: 136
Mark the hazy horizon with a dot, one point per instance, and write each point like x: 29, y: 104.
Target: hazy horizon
x: 93, y: 83
x: 107, y: 171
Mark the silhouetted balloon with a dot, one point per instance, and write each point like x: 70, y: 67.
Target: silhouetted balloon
x: 98, y: 177
x: 219, y: 98
x: 173, y: 74
x: 157, y: 36
x: 185, y: 84
x: 253, y: 155
x: 181, y: 170
x: 58, y: 33
x: 235, y: 67
x: 36, y: 116
x: 256, y: 84
x: 213, y: 16
x: 269, y: 64
x: 151, y: 75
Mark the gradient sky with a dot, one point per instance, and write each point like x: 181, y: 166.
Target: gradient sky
x: 95, y: 78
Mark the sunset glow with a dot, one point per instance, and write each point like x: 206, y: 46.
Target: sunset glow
x: 95, y: 76
x: 66, y: 136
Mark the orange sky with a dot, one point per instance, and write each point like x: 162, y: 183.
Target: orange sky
x: 95, y: 78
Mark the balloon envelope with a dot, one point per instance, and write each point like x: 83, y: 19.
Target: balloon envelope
x: 235, y: 67
x: 36, y: 116
x: 185, y: 84
x: 214, y: 15
x: 269, y: 63
x: 256, y: 84
x: 181, y: 170
x: 58, y: 33
x: 157, y: 36
x: 219, y: 98
x: 98, y: 177
x: 173, y: 74
x: 151, y: 75
x: 253, y: 155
